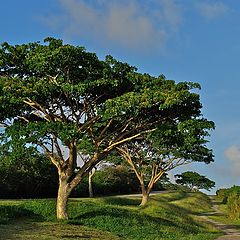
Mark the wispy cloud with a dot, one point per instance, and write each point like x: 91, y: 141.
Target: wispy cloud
x: 172, y: 13
x: 127, y: 23
x: 233, y: 156
x: 212, y: 10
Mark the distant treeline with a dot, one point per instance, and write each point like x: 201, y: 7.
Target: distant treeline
x: 39, y: 179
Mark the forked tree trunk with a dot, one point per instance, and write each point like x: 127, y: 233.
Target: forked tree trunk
x: 145, y: 195
x: 62, y: 199
x: 145, y: 198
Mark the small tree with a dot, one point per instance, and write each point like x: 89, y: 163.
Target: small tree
x: 194, y: 181
x: 171, y: 145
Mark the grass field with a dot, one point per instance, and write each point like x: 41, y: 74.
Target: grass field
x: 167, y: 216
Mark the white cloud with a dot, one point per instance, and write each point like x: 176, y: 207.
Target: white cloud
x: 172, y: 13
x: 211, y: 10
x: 233, y: 156
x: 127, y: 23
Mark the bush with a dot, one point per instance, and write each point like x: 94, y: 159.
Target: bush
x: 30, y: 177
x: 110, y: 180
x: 231, y: 197
x: 222, y: 194
x: 233, y: 204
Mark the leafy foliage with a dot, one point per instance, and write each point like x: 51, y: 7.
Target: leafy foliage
x: 174, y: 142
x: 109, y: 181
x: 194, y: 181
x: 55, y: 94
x: 222, y: 194
x: 30, y: 175
x: 231, y: 197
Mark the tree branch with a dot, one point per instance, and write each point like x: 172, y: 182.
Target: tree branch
x: 127, y: 139
x: 87, y: 124
x: 50, y: 155
x: 104, y: 130
x: 72, y: 158
x: 125, y: 153
x: 38, y: 107
x: 58, y: 149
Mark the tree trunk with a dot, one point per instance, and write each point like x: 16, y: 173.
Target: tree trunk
x: 90, y: 186
x: 62, y: 199
x: 145, y: 195
x: 145, y: 198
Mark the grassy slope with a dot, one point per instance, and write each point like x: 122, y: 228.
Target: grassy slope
x: 224, y: 217
x: 167, y: 216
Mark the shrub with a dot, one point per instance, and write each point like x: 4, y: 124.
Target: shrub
x: 222, y: 194
x: 110, y: 180
x: 30, y: 177
x: 231, y: 197
x: 233, y: 204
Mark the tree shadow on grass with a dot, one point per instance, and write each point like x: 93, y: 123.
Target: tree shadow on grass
x: 129, y: 223
x: 13, y: 218
x: 13, y: 228
x: 12, y: 212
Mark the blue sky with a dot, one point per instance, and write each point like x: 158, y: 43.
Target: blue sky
x: 186, y: 40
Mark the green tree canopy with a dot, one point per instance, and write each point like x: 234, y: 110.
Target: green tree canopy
x: 55, y: 94
x: 194, y: 180
x: 172, y: 144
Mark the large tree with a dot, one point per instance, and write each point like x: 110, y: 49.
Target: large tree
x: 54, y: 95
x: 172, y: 144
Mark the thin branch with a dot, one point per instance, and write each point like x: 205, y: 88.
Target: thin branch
x: 126, y: 124
x: 151, y: 181
x: 180, y: 162
x: 127, y: 139
x: 62, y: 112
x: 23, y: 118
x: 90, y: 130
x: 86, y: 168
x: 53, y: 79
x: 71, y: 106
x: 105, y: 129
x: 159, y: 175
x: 50, y: 155
x: 87, y: 124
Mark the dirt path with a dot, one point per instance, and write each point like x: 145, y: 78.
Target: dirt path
x: 231, y: 232
x: 139, y: 195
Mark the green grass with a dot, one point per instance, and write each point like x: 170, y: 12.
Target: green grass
x: 224, y: 217
x: 167, y: 216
